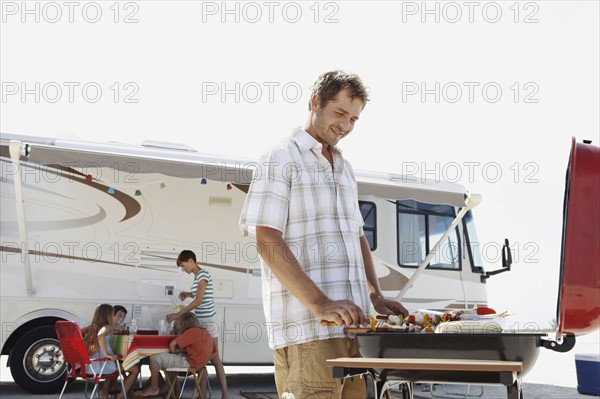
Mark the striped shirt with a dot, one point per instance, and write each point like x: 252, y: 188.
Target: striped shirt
x: 296, y: 191
x: 207, y: 307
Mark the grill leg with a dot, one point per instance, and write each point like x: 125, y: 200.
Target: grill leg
x: 408, y: 390
x: 515, y: 391
x: 371, y: 386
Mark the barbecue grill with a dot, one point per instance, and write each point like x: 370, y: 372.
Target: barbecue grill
x: 523, y: 347
x: 578, y: 310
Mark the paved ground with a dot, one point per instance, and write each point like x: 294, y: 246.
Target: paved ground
x: 530, y: 391
x: 265, y: 383
x: 236, y: 383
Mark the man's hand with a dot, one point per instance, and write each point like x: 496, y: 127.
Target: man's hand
x: 387, y: 306
x: 341, y: 312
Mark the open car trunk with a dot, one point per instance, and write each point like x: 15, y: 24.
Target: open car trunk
x: 578, y: 310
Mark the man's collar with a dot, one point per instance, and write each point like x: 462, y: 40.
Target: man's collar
x: 306, y: 142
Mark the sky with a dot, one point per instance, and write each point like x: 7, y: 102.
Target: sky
x: 486, y: 94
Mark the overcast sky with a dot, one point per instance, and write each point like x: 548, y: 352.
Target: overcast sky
x: 487, y: 94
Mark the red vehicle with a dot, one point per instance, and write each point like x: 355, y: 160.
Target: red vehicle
x: 578, y: 310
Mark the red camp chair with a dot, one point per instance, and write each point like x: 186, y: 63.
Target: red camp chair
x: 76, y: 357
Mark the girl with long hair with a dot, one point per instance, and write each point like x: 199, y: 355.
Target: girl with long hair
x: 98, y: 346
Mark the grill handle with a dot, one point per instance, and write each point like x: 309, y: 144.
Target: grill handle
x: 568, y: 342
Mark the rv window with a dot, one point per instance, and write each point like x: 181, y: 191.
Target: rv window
x: 473, y: 246
x: 368, y: 211
x: 412, y: 242
x: 419, y: 227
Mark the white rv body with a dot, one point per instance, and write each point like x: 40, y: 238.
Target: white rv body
x: 105, y: 222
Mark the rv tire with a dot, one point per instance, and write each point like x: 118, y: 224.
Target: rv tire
x: 36, y: 362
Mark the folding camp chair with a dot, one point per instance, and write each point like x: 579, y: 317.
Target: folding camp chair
x: 198, y: 374
x: 76, y: 357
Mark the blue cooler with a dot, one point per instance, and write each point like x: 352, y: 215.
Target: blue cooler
x: 588, y: 373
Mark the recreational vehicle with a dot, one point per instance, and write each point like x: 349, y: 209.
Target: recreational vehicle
x: 85, y: 223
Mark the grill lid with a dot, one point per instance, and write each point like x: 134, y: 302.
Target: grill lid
x: 578, y: 308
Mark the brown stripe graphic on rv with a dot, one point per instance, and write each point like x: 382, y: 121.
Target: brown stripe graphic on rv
x: 393, y: 281
x: 49, y: 225
x: 132, y: 207
x: 222, y: 267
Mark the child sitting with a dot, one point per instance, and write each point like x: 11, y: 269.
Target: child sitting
x: 192, y: 348
x: 98, y: 346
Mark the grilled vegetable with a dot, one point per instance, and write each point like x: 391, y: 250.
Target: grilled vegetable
x: 426, y: 320
x: 373, y: 322
x: 482, y: 310
x: 396, y: 320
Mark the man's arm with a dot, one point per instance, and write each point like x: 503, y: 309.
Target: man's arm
x: 380, y: 303
x: 275, y: 252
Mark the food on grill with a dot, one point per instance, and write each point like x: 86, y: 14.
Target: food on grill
x: 396, y: 320
x: 481, y: 310
x: 469, y: 327
x: 480, y: 319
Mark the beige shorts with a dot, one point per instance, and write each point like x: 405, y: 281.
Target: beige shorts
x: 212, y: 325
x: 164, y: 360
x: 301, y: 370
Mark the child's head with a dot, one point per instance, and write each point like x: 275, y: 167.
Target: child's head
x: 187, y: 261
x: 103, y: 315
x: 185, y: 322
x: 184, y: 256
x: 120, y: 313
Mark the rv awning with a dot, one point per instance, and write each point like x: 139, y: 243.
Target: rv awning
x: 191, y: 164
x: 145, y: 160
x: 408, y: 187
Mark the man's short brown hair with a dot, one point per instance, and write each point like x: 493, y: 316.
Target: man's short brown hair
x: 330, y: 83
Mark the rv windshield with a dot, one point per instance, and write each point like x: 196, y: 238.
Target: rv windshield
x: 473, y: 243
x: 419, y: 227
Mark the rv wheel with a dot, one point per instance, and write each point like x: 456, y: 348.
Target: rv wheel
x: 36, y: 362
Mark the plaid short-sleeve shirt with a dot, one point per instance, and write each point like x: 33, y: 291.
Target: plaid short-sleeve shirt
x: 296, y: 191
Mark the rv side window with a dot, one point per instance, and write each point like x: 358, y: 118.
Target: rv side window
x: 420, y: 226
x: 368, y: 211
x: 473, y: 246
